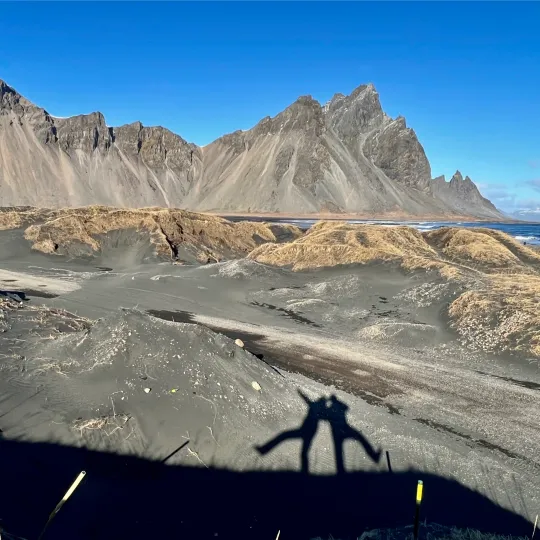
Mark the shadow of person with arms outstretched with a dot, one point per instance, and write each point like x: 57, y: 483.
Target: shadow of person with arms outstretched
x: 306, y: 432
x: 336, y: 413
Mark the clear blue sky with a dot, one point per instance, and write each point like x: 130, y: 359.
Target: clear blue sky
x: 465, y: 75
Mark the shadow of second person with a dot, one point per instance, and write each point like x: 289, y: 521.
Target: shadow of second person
x: 336, y: 413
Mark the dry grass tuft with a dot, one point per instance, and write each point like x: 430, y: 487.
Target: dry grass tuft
x: 502, y: 315
x: 104, y: 424
x: 335, y: 243
x: 486, y: 249
x: 11, y: 220
x: 451, y: 251
x: 210, y: 238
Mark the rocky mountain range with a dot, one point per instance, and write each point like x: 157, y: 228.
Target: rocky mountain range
x: 347, y: 156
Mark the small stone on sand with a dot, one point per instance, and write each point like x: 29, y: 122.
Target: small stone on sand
x: 147, y: 390
x: 239, y: 342
x: 256, y: 386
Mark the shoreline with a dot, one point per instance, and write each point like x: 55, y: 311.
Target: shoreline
x: 351, y: 216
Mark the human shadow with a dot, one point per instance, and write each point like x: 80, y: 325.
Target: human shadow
x: 334, y: 412
x: 306, y: 432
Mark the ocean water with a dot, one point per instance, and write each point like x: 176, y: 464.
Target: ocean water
x: 526, y: 233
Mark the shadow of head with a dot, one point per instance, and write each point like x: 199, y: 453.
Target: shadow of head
x: 128, y: 497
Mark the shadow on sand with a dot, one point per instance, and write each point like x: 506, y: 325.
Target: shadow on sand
x: 127, y: 497
x: 333, y: 411
x: 23, y: 296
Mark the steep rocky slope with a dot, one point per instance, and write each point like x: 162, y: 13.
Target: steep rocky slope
x: 345, y: 156
x: 55, y: 162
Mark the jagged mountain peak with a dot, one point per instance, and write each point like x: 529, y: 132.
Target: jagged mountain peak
x: 336, y: 98
x: 10, y: 99
x: 95, y: 117
x: 304, y: 114
x: 347, y: 156
x: 462, y: 193
x: 306, y: 100
x: 356, y: 114
x: 137, y: 125
x: 364, y: 91
x: 5, y: 88
x: 368, y: 88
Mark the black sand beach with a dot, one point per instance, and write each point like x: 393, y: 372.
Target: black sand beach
x: 125, y: 354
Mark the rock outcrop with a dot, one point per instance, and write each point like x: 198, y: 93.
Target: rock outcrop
x: 347, y: 156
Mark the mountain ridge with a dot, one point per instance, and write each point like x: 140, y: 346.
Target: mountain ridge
x: 346, y: 157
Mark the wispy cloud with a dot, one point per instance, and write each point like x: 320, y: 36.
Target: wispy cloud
x: 499, y: 195
x: 535, y: 184
x: 512, y: 200
x: 528, y: 205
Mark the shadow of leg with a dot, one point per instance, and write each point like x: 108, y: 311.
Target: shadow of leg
x: 276, y: 441
x: 306, y: 446
x: 339, y: 455
x: 352, y: 433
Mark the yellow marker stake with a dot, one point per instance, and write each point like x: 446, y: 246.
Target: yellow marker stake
x: 419, y: 494
x: 68, y: 494
x: 419, y: 491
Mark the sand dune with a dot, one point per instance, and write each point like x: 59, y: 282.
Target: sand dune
x: 174, y: 233
x: 501, y: 278
x: 498, y: 312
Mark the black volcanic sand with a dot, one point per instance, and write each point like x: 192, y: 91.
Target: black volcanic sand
x: 135, y: 357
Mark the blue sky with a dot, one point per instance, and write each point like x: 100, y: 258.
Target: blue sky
x: 466, y: 76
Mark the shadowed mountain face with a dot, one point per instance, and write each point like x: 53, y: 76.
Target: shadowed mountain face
x: 345, y: 156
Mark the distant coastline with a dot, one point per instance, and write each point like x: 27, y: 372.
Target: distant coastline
x: 391, y: 216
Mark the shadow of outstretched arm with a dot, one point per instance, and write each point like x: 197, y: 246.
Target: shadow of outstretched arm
x: 304, y: 397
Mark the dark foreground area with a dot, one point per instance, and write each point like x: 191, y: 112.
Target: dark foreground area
x: 128, y: 497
